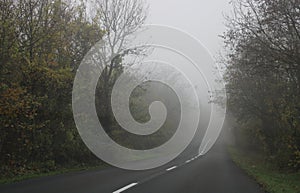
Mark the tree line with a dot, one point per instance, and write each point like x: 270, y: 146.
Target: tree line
x: 42, y: 43
x: 262, y: 61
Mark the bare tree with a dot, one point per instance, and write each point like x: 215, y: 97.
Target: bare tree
x: 120, y: 20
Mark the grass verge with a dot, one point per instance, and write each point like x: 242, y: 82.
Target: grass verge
x: 272, y: 180
x: 9, y: 180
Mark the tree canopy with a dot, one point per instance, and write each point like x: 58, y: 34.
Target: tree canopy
x: 263, y: 74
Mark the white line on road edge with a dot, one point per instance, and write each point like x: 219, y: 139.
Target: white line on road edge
x: 125, y: 188
x: 187, y: 161
x: 202, y: 152
x: 172, y: 168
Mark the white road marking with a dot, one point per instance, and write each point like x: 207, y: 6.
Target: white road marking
x: 125, y: 188
x: 188, y: 161
x: 172, y: 168
x: 202, y: 152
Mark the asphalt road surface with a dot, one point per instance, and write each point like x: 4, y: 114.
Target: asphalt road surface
x: 212, y: 173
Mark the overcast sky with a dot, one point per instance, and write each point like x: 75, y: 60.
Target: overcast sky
x: 201, y: 18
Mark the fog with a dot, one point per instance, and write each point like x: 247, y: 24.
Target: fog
x: 202, y: 19
x: 184, y: 35
x: 205, y: 21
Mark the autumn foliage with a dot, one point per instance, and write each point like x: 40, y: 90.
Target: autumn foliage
x: 41, y: 45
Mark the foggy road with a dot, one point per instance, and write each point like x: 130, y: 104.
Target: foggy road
x: 212, y: 173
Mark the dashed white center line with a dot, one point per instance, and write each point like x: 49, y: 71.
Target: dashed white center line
x: 125, y: 188
x: 172, y: 168
x: 205, y: 147
x: 134, y: 184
